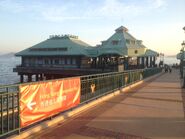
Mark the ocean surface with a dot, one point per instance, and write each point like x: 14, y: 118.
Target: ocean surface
x: 169, y: 60
x: 7, y: 76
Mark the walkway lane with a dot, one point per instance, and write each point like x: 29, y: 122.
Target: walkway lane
x: 152, y: 110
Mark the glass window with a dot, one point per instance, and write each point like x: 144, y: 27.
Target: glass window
x: 127, y: 41
x: 133, y: 42
x: 62, y: 61
x: 68, y: 61
x: 56, y: 61
x: 73, y: 61
x: 114, y: 42
x: 39, y: 61
x: 46, y: 61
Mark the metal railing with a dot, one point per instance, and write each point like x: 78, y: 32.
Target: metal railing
x: 9, y: 107
x: 92, y: 86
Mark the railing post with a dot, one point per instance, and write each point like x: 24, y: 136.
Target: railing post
x: 2, y: 120
x: 18, y: 107
x: 13, y: 111
x: 7, y: 106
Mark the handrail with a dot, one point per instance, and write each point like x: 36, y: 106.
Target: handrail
x: 103, y: 83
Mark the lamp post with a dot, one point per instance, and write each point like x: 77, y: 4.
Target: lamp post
x: 182, y: 58
x: 182, y: 61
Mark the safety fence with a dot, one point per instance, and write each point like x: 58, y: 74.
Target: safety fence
x: 9, y: 107
x: 91, y: 87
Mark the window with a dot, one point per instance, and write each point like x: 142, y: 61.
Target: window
x: 114, y: 42
x: 56, y: 61
x: 68, y: 61
x: 136, y: 51
x: 127, y: 41
x: 62, y: 61
x: 73, y: 61
x: 39, y: 61
x: 26, y: 61
x: 46, y: 61
x: 133, y: 42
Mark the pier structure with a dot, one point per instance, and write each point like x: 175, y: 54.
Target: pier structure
x: 151, y: 108
x: 66, y: 56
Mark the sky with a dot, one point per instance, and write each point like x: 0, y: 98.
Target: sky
x: 159, y: 23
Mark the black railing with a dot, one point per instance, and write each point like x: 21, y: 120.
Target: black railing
x: 92, y: 86
x: 9, y: 107
x: 96, y: 85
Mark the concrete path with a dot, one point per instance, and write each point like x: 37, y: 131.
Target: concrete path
x: 153, y: 110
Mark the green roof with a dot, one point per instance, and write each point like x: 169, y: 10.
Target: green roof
x: 65, y: 45
x: 121, y: 48
x: 92, y: 52
x: 150, y: 52
x: 120, y: 35
x: 113, y: 51
x: 180, y: 56
x: 117, y: 44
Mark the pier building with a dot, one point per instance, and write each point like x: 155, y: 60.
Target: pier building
x: 66, y: 55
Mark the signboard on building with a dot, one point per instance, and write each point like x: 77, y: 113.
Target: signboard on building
x: 41, y: 100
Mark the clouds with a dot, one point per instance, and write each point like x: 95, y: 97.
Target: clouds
x: 108, y: 9
x: 115, y: 8
x: 14, y: 7
x: 26, y: 22
x: 84, y: 10
x: 158, y: 3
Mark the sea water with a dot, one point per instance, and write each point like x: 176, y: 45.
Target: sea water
x: 169, y: 60
x: 7, y: 76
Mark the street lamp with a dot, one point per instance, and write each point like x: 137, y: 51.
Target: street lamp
x: 182, y: 53
x: 182, y: 62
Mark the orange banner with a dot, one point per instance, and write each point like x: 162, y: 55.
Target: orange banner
x: 41, y: 100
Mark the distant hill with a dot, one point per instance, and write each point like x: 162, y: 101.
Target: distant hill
x: 7, y: 55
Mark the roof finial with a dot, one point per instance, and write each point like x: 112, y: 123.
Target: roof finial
x: 121, y: 29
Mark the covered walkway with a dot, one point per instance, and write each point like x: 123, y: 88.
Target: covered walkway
x: 155, y: 109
